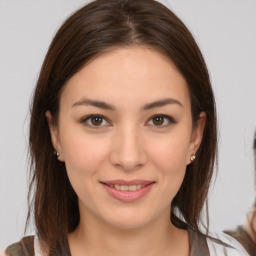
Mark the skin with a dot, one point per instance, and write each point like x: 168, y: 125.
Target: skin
x: 128, y: 145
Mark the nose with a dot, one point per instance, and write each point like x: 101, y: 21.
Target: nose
x: 128, y: 150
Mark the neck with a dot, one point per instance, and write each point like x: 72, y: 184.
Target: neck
x: 160, y: 237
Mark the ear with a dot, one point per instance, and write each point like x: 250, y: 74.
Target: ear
x: 196, y: 136
x: 54, y: 135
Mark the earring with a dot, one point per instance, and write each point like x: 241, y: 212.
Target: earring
x: 193, y: 157
x: 56, y: 153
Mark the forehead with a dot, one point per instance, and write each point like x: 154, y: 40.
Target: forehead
x: 128, y: 74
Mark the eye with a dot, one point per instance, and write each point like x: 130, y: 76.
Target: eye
x: 161, y: 120
x: 95, y: 121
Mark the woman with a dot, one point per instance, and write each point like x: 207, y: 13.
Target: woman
x: 246, y: 235
x: 122, y: 137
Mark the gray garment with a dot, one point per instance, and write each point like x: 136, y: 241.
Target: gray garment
x: 198, y: 244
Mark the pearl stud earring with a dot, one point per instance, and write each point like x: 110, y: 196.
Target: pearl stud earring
x: 193, y: 157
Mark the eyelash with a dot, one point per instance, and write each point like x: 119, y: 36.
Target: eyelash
x: 170, y: 120
x: 85, y: 120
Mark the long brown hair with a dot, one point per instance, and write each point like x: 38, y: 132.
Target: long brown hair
x: 254, y: 154
x: 90, y: 31
x: 253, y: 219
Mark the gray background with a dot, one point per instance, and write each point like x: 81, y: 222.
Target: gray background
x: 226, y: 33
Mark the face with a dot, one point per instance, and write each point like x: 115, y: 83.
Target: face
x: 125, y: 134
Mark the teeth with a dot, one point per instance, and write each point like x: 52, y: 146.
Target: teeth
x: 128, y: 188
x: 139, y: 186
x: 124, y: 187
x: 132, y: 187
x: 117, y: 187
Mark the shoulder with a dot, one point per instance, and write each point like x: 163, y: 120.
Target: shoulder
x: 243, y: 238
x: 215, y: 245
x: 25, y: 247
x: 225, y: 245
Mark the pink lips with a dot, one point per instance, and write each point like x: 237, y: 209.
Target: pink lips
x: 127, y: 196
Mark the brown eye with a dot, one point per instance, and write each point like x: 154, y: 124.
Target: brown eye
x: 96, y: 120
x: 159, y: 120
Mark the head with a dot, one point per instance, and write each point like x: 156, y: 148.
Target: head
x: 104, y: 31
x: 251, y: 224
x: 254, y: 154
x: 254, y: 151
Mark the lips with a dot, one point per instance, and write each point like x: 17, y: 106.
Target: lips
x: 127, y: 191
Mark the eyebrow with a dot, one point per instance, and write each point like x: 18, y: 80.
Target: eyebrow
x: 95, y: 103
x: 104, y: 105
x: 161, y: 103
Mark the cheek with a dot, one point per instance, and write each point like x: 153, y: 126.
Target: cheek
x: 170, y: 160
x: 83, y: 155
x: 83, y: 158
x: 169, y: 154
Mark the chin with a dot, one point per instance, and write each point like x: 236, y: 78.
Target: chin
x: 127, y: 224
x: 128, y: 219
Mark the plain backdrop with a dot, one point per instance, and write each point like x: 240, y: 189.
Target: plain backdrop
x: 226, y: 33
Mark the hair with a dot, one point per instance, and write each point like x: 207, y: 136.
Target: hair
x: 253, y: 219
x: 254, y: 154
x: 93, y: 29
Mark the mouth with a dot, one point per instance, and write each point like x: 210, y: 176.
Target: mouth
x: 128, y: 191
x: 126, y: 187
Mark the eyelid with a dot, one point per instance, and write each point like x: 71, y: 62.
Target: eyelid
x: 86, y: 118
x: 170, y: 119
